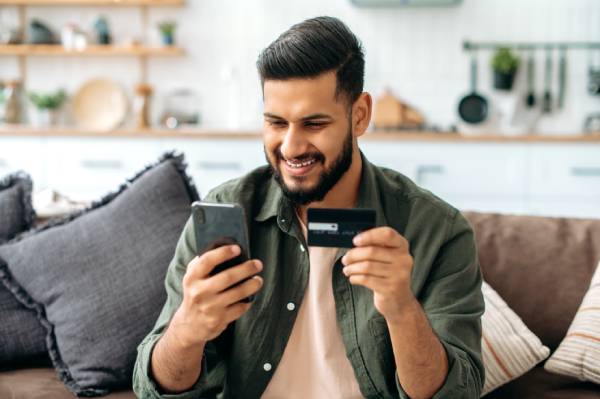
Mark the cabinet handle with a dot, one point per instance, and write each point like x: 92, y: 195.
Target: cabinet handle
x: 585, y: 172
x: 218, y: 165
x: 424, y: 169
x: 102, y: 164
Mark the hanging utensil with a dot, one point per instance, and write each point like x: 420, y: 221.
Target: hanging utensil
x: 473, y: 108
x: 530, y: 99
x: 547, y: 99
x: 593, y: 85
x: 562, y: 76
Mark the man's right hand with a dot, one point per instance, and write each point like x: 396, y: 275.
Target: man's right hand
x: 210, y: 303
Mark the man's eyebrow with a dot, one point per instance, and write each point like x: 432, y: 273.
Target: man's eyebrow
x: 317, y: 116
x: 273, y: 116
x: 305, y: 118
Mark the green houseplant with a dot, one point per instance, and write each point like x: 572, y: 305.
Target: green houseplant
x: 167, y: 32
x: 48, y: 106
x: 505, y: 65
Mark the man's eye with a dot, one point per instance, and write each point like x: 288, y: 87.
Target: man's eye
x: 277, y: 123
x: 315, y: 125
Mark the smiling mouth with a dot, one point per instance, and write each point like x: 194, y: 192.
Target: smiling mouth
x: 298, y: 165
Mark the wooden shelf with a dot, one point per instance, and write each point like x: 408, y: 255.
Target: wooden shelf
x: 90, y: 50
x: 124, y: 3
x: 19, y: 130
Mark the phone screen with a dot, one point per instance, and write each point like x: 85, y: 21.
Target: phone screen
x: 218, y: 224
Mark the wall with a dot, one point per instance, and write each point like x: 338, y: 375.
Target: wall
x: 416, y: 52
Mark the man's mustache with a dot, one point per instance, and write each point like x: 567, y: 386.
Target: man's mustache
x: 317, y: 156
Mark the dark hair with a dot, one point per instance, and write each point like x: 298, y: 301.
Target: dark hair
x: 312, y: 47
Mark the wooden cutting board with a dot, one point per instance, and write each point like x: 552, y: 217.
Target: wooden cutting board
x: 391, y: 113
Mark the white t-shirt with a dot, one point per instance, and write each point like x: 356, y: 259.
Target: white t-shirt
x: 314, y: 362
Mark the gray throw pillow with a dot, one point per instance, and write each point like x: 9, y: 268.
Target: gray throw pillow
x: 16, y: 210
x: 21, y: 334
x: 96, y: 278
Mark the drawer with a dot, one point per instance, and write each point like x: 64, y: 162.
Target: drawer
x: 212, y: 162
x: 565, y: 171
x: 88, y: 168
x: 514, y: 206
x: 577, y: 208
x: 390, y: 156
x: 24, y: 153
x: 459, y: 170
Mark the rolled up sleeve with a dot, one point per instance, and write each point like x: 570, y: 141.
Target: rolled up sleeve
x: 453, y: 302
x: 212, y: 376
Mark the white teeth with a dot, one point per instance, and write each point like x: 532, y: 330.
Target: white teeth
x: 301, y: 164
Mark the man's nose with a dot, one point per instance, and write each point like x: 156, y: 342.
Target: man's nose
x: 294, y: 144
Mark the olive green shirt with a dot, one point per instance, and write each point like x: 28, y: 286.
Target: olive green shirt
x: 446, y: 280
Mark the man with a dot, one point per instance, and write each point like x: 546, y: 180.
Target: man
x: 398, y: 315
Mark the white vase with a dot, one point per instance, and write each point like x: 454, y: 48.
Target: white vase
x: 46, y: 117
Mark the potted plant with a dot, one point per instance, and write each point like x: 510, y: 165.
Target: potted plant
x: 504, y: 64
x: 47, y: 105
x: 167, y: 32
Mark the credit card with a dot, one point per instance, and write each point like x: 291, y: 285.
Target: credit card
x: 329, y: 227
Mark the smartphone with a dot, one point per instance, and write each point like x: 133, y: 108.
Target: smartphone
x: 218, y: 224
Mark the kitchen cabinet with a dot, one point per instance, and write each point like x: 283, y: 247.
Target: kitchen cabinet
x: 23, y: 153
x: 565, y: 172
x: 538, y: 178
x: 456, y: 169
x: 213, y: 161
x: 87, y: 168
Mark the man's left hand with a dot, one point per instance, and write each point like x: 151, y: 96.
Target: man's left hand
x: 382, y: 262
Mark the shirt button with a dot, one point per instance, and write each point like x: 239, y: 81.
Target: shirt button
x: 282, y: 220
x: 267, y: 366
x: 291, y: 306
x: 302, y: 248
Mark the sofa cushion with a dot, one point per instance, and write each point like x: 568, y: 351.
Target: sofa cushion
x: 530, y: 260
x: 16, y: 210
x: 508, y: 348
x: 41, y: 383
x: 579, y: 353
x: 21, y: 334
x: 96, y: 277
x: 540, y: 384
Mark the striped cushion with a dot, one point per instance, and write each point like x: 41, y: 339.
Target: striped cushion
x: 578, y: 355
x: 508, y: 347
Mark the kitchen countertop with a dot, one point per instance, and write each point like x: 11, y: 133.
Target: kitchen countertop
x: 25, y: 131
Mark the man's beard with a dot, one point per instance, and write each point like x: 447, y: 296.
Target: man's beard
x: 327, y: 179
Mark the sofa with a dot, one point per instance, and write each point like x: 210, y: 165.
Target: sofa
x: 541, y: 266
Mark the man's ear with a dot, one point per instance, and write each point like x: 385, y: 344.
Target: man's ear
x: 361, y: 113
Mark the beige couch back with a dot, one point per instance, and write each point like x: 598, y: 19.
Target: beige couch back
x: 541, y: 266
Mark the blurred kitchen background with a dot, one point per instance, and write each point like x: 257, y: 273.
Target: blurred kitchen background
x: 493, y: 105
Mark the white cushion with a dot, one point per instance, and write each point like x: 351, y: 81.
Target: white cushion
x: 578, y: 355
x: 508, y: 347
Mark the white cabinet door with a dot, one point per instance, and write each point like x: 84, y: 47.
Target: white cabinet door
x: 389, y: 155
x: 578, y: 208
x: 514, y: 207
x: 479, y: 173
x: 24, y: 153
x: 215, y: 161
x: 565, y: 171
x: 88, y: 168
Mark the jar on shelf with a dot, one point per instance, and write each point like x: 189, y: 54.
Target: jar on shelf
x: 12, y: 102
x: 181, y: 107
